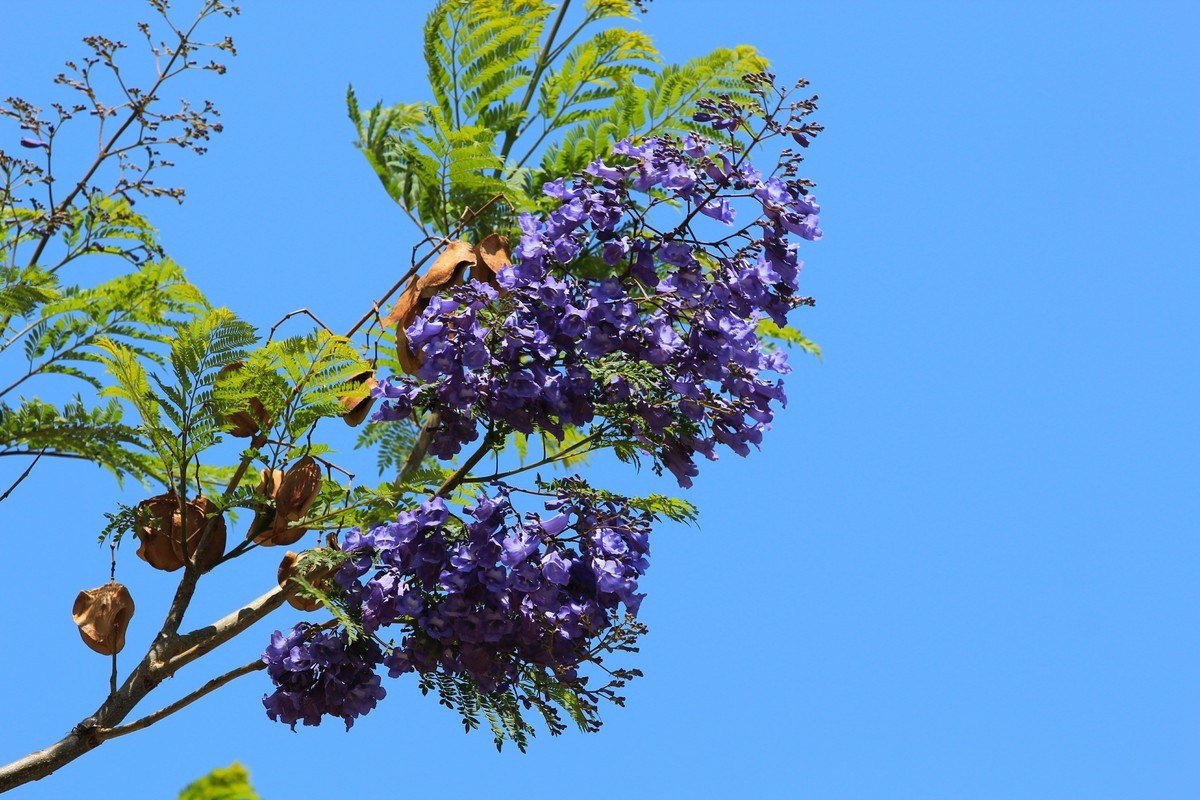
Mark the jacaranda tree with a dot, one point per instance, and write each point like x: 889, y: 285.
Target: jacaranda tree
x: 599, y: 265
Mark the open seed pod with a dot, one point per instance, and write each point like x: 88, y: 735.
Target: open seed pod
x: 288, y: 569
x: 357, y: 408
x: 401, y: 316
x: 242, y: 424
x: 268, y: 485
x: 492, y: 254
x: 160, y: 536
x: 199, y: 511
x: 447, y: 270
x: 294, y: 495
x: 102, y: 615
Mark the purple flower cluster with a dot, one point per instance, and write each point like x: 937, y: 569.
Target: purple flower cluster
x: 319, y: 672
x: 490, y: 597
x: 665, y: 348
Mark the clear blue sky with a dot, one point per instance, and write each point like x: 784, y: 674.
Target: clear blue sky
x: 964, y: 566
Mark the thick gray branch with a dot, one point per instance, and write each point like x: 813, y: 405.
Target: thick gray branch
x: 166, y: 656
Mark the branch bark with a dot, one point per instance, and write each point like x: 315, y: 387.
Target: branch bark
x: 166, y: 711
x: 165, y: 657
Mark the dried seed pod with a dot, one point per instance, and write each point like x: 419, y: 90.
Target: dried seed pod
x: 161, y: 534
x: 288, y: 570
x: 448, y: 269
x: 242, y: 424
x: 268, y: 485
x: 158, y: 536
x: 102, y: 615
x: 202, y: 512
x: 492, y: 254
x: 357, y: 408
x: 405, y: 310
x: 297, y: 491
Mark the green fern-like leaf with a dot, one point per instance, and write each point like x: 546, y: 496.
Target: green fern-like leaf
x: 73, y: 430
x: 789, y: 336
x: 230, y: 783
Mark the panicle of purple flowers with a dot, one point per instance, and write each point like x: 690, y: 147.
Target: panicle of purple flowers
x: 321, y: 673
x: 490, y: 598
x: 552, y: 349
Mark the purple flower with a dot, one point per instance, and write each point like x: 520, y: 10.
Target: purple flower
x: 519, y: 547
x: 719, y: 210
x: 556, y: 568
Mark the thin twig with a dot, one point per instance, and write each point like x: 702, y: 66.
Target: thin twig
x: 138, y: 109
x: 459, y: 474
x: 23, y: 476
x: 295, y: 313
x: 166, y: 711
x: 466, y: 219
x: 558, y: 456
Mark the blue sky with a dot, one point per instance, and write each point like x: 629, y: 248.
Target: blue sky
x: 964, y: 564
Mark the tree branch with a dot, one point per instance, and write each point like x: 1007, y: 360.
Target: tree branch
x: 148, y: 720
x: 23, y: 476
x: 420, y: 447
x: 461, y: 473
x: 165, y: 657
x: 190, y: 646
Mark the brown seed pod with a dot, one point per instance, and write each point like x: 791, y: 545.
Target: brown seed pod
x: 358, y: 407
x: 160, y: 535
x: 202, y: 512
x: 268, y: 485
x: 492, y: 254
x: 295, y: 494
x: 102, y: 615
x: 400, y: 317
x: 448, y: 269
x: 288, y: 570
x: 242, y: 424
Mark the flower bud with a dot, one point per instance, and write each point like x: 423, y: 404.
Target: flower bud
x: 102, y: 615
